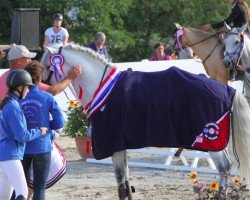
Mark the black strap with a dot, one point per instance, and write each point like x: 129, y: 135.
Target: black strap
x: 49, y: 77
x: 106, y: 67
x: 203, y: 62
x: 211, y: 36
x: 60, y: 50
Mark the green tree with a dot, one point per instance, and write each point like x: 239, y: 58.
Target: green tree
x: 132, y: 26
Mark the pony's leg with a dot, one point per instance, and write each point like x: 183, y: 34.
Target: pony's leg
x: 122, y: 173
x: 223, y: 164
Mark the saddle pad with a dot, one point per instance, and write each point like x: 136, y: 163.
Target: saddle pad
x: 171, y: 108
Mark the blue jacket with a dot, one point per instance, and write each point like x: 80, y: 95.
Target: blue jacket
x: 41, y: 110
x: 13, y: 131
x: 102, y: 51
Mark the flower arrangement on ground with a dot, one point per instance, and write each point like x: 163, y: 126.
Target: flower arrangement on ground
x: 204, y: 191
x: 77, y: 123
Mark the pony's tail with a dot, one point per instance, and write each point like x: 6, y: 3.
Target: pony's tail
x: 241, y: 136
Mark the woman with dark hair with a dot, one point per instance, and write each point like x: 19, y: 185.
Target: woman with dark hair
x: 159, y: 53
x: 40, y: 108
x: 239, y: 16
x: 14, y: 134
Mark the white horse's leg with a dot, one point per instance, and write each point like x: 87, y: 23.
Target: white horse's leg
x: 223, y: 164
x: 246, y: 86
x: 122, y: 175
x: 241, y: 136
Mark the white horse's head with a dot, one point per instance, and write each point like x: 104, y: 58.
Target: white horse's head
x: 61, y: 59
x: 234, y: 45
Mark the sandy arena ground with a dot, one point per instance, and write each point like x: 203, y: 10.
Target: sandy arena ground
x: 97, y: 182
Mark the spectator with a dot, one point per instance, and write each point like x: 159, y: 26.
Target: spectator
x: 14, y: 134
x: 159, y: 53
x: 38, y: 108
x: 187, y: 54
x: 239, y: 16
x: 98, y: 44
x: 2, y: 52
x: 56, y: 34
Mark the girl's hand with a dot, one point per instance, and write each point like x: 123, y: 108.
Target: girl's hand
x: 43, y: 130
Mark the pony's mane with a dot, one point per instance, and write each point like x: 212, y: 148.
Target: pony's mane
x: 85, y: 50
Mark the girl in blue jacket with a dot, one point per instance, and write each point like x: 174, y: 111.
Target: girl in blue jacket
x: 40, y: 108
x: 14, y: 133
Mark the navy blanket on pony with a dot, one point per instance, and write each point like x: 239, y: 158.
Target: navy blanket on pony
x: 171, y: 108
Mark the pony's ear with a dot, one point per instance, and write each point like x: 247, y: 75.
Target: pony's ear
x: 178, y: 26
x: 50, y: 49
x: 243, y: 28
x: 227, y: 28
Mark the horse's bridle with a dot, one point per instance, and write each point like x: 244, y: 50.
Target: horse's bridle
x: 51, y: 71
x: 235, y: 56
x: 173, y: 49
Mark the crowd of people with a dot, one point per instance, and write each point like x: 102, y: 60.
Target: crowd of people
x: 29, y: 114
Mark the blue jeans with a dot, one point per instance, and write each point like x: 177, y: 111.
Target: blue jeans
x: 41, y: 166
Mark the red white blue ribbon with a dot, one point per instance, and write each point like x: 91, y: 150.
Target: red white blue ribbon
x: 56, y: 63
x: 102, y: 92
x: 179, y: 34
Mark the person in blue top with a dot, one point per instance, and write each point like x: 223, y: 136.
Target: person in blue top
x: 14, y: 133
x: 40, y: 108
x: 98, y: 45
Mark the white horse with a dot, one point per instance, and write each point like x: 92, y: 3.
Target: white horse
x: 237, y: 51
x: 97, y: 71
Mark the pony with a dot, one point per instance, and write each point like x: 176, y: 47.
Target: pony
x: 97, y: 89
x: 237, y: 51
x: 206, y: 46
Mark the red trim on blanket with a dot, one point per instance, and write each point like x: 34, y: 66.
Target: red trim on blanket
x: 219, y: 137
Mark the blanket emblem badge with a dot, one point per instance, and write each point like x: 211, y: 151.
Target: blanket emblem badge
x: 102, y: 108
x: 211, y: 131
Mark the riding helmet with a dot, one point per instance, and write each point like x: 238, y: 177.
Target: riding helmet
x: 18, y: 77
x: 58, y: 16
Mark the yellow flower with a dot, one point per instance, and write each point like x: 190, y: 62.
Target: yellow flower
x: 75, y: 105
x: 236, y: 180
x: 193, y: 176
x: 214, y: 186
x: 71, y: 102
x: 194, y: 181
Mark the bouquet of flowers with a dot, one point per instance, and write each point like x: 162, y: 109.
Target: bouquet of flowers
x: 77, y: 123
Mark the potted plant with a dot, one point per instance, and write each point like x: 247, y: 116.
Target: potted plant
x: 77, y: 128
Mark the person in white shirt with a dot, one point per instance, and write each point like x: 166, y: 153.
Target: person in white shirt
x: 56, y: 34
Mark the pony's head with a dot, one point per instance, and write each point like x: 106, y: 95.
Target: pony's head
x: 59, y: 59
x: 234, y: 45
x: 185, y: 37
x: 172, y: 46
